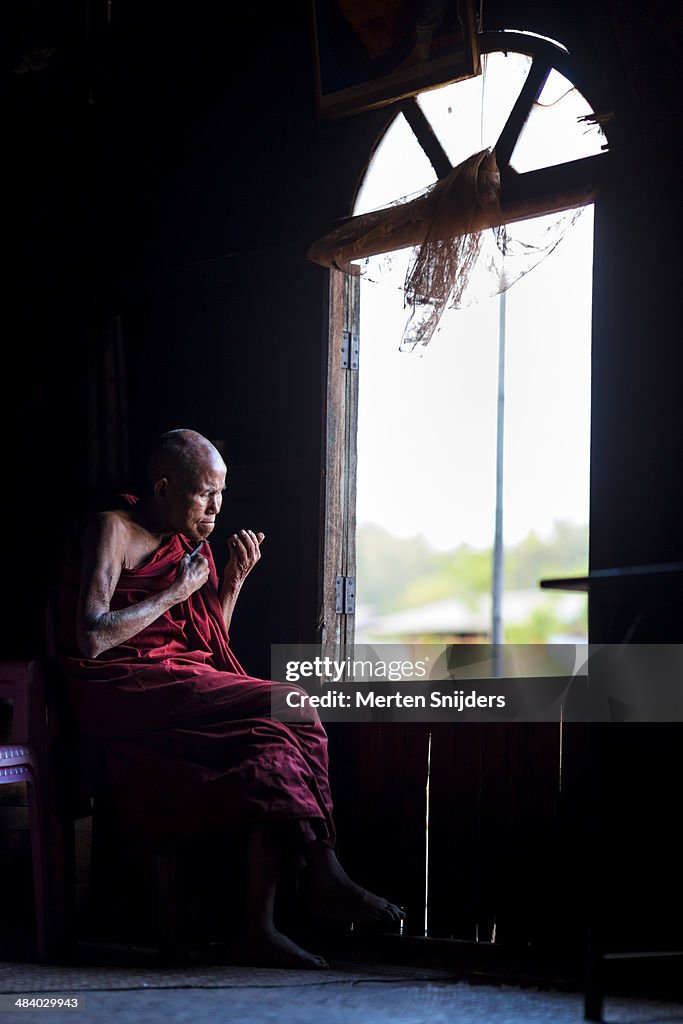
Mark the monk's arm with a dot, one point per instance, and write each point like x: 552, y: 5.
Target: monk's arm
x: 98, y: 627
x: 245, y: 552
x: 229, y: 594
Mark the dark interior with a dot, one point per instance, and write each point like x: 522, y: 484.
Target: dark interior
x: 168, y: 173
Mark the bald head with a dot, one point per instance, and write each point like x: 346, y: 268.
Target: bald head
x: 186, y: 479
x: 180, y: 455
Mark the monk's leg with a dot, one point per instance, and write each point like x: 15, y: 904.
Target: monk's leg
x: 333, y: 894
x: 265, y: 944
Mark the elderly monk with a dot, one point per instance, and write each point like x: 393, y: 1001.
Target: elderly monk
x: 188, y: 737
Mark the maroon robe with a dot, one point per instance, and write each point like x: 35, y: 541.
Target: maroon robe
x: 187, y: 736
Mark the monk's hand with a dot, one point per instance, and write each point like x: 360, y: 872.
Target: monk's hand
x: 192, y: 574
x: 245, y: 551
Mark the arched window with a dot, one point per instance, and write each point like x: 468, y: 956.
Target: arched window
x: 548, y: 142
x: 472, y: 841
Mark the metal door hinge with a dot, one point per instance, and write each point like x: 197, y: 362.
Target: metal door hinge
x: 350, y: 350
x: 346, y: 595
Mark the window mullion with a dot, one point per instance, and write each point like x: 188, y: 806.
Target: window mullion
x: 425, y: 135
x: 531, y: 90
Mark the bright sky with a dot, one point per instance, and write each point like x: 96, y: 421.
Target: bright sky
x: 427, y: 419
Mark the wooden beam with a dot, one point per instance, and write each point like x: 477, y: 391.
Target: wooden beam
x: 534, y: 194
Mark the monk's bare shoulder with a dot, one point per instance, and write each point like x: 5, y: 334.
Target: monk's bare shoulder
x: 105, y: 541
x: 107, y: 529
x: 115, y: 537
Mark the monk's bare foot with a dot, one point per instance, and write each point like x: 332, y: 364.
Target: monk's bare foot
x: 332, y: 894
x: 270, y: 948
x: 349, y: 902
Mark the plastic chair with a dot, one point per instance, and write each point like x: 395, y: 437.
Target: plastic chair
x: 46, y: 752
x: 24, y: 759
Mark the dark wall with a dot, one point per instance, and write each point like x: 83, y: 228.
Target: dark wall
x: 167, y: 176
x: 637, y: 411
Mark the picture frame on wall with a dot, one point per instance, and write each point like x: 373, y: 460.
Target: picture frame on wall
x: 369, y: 53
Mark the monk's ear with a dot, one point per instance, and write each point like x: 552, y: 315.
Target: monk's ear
x: 160, y: 488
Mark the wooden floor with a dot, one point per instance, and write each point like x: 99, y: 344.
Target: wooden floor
x: 344, y: 993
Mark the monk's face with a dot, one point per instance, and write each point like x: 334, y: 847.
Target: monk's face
x: 193, y: 500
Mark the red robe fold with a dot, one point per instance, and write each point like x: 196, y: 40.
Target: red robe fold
x: 188, y: 739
